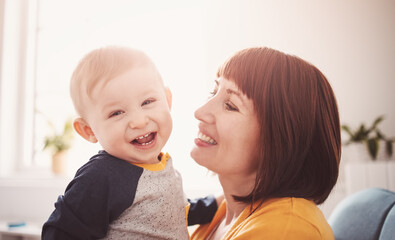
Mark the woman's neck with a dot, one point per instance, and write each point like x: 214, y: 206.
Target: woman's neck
x: 235, y: 186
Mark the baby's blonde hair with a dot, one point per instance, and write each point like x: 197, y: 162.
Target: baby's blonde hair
x: 98, y: 67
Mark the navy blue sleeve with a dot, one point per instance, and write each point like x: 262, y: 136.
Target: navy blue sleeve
x: 101, y: 190
x: 202, y: 210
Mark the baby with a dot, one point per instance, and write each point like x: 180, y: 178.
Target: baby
x: 129, y: 190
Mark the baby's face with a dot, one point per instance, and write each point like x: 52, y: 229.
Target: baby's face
x: 130, y: 115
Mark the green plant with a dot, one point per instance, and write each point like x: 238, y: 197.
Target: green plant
x: 59, y: 142
x: 371, y: 137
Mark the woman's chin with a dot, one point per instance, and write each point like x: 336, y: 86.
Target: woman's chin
x: 197, y: 157
x: 194, y: 155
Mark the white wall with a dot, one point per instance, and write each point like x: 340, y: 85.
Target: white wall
x: 351, y: 42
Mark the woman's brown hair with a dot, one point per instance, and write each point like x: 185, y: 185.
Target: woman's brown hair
x: 300, y: 146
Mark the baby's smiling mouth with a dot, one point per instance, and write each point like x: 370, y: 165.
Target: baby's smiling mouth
x: 145, y: 139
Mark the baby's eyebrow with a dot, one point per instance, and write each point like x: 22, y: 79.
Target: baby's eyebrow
x: 108, y: 105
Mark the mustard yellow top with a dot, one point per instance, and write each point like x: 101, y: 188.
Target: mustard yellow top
x: 281, y: 218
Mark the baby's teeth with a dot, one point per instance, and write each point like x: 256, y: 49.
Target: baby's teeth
x: 146, y: 135
x: 147, y: 143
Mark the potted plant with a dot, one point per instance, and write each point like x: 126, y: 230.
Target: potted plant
x: 371, y: 137
x: 59, y: 144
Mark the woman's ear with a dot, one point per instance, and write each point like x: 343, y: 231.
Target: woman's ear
x: 83, y: 129
x: 169, y: 97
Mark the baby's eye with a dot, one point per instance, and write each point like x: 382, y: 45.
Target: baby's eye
x: 148, y: 101
x: 115, y: 113
x: 231, y: 107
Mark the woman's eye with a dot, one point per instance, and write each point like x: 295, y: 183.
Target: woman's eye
x: 116, y: 113
x: 212, y: 93
x: 231, y: 107
x: 148, y: 101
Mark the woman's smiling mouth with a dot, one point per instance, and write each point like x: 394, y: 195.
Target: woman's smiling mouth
x: 206, y: 139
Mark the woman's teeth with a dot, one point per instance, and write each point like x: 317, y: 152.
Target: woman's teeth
x: 206, y: 139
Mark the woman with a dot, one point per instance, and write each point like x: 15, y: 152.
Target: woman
x: 271, y: 132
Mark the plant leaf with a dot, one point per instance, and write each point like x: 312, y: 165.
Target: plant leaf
x: 349, y: 132
x: 373, y: 147
x: 60, y: 142
x: 380, y: 135
x: 347, y: 129
x: 361, y: 134
x: 68, y: 127
x: 388, y: 148
x: 376, y: 122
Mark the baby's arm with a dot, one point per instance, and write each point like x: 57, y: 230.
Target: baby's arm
x: 65, y: 224
x: 96, y: 196
x: 79, y: 214
x: 202, y: 210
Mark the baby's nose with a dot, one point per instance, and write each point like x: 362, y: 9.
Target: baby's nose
x: 138, y: 121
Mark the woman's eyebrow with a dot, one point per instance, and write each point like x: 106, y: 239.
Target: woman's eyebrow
x: 236, y: 93
x: 230, y: 91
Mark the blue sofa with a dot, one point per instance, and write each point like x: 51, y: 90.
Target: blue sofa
x: 368, y: 214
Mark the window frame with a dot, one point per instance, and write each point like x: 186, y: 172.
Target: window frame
x: 17, y: 79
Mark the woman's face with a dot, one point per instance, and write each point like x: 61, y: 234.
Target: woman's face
x: 228, y: 135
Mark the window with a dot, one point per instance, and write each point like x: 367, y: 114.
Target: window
x: 16, y: 98
x: 54, y: 35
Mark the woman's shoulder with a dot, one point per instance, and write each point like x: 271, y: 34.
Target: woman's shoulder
x: 282, y: 218
x: 287, y: 205
x: 288, y: 217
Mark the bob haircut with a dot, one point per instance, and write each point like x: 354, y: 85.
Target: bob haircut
x: 300, y: 144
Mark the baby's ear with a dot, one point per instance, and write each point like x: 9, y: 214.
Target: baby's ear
x: 83, y: 129
x: 169, y: 96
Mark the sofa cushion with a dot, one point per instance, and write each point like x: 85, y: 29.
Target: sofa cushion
x: 362, y: 215
x: 388, y: 230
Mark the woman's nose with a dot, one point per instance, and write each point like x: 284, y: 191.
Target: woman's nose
x: 138, y: 121
x: 205, y: 113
